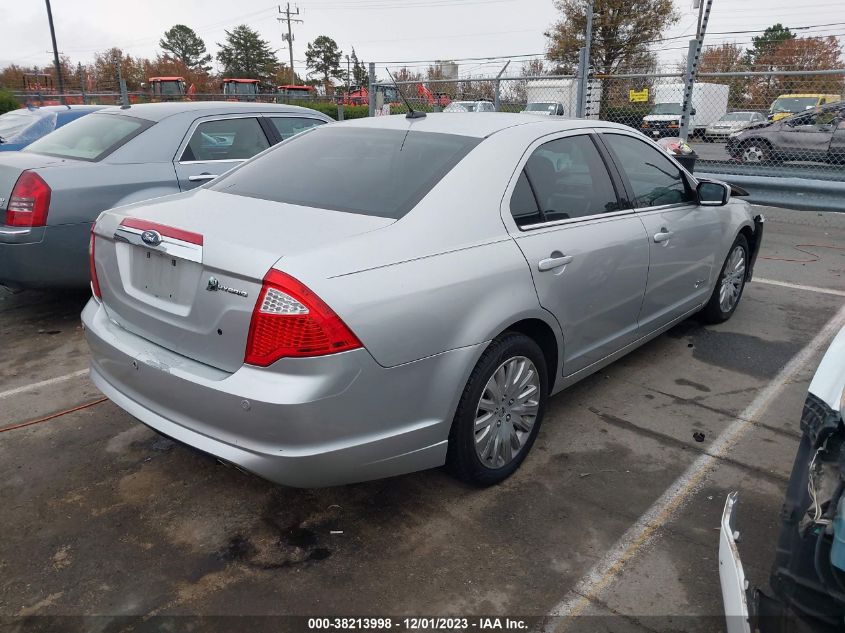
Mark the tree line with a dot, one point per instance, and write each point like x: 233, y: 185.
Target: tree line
x: 243, y: 54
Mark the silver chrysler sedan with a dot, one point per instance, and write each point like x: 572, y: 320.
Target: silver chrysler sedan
x: 391, y: 294
x: 52, y: 190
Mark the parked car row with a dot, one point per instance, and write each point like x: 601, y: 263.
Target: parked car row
x: 254, y: 301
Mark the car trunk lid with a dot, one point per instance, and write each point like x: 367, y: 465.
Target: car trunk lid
x: 184, y: 272
x: 12, y: 165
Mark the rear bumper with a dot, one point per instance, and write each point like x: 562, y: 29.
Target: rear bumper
x: 302, y: 422
x: 45, y: 257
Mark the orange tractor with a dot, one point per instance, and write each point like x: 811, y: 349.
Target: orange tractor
x: 240, y: 89
x: 168, y: 88
x: 41, y: 90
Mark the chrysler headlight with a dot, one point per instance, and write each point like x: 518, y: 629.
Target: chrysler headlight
x: 735, y: 134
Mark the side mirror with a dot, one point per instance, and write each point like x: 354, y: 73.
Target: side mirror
x: 713, y: 194
x: 692, y: 112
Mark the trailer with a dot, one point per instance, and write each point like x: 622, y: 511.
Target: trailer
x: 709, y: 104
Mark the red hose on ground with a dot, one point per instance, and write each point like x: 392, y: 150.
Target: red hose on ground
x: 798, y: 247
x: 52, y: 416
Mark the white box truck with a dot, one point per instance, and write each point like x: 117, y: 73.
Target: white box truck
x: 560, y: 97
x: 709, y: 104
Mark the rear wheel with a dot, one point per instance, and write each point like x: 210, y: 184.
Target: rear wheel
x: 500, y: 411
x: 731, y: 283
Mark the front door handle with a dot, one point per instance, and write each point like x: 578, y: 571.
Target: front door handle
x: 555, y: 261
x: 663, y: 236
x: 202, y: 177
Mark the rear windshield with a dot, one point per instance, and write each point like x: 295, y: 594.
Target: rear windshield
x: 91, y: 137
x: 356, y: 170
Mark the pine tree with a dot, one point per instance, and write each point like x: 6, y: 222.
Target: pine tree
x: 247, y: 56
x: 184, y: 45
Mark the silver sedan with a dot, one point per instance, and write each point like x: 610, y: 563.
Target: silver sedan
x: 53, y: 190
x: 391, y: 294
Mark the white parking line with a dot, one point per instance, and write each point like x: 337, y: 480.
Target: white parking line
x: 673, y: 499
x: 786, y: 284
x: 43, y: 383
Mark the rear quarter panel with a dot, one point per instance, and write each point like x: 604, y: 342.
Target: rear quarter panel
x: 445, y: 276
x: 82, y: 191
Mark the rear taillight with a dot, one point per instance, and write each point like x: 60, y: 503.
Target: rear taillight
x: 95, y: 283
x: 291, y: 321
x: 29, y: 202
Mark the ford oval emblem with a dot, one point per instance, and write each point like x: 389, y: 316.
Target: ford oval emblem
x: 152, y: 238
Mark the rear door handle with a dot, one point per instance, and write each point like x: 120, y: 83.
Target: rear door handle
x: 556, y: 261
x: 202, y: 177
x: 663, y: 235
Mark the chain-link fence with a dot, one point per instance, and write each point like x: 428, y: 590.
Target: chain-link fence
x: 781, y: 123
x: 758, y: 123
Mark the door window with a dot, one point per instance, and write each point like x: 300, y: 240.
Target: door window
x: 289, y: 125
x: 654, y: 178
x: 226, y: 139
x: 568, y: 179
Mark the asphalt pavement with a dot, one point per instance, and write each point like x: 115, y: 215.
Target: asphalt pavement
x: 614, y: 514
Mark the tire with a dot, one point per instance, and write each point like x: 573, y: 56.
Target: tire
x: 754, y: 152
x: 718, y: 308
x: 475, y: 456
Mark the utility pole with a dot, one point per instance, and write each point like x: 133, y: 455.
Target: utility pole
x: 693, y: 55
x: 289, y: 37
x: 347, y: 75
x: 584, y: 64
x: 59, y: 79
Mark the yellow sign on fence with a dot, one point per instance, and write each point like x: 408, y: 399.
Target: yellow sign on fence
x: 638, y: 96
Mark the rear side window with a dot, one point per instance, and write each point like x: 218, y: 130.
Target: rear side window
x: 356, y: 170
x: 524, y: 207
x: 226, y: 139
x: 92, y: 137
x: 654, y: 178
x: 289, y: 125
x: 569, y: 180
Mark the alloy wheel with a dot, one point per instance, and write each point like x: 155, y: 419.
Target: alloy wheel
x: 732, y: 279
x: 506, y: 411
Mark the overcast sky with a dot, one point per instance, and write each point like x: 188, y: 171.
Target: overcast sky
x: 380, y: 30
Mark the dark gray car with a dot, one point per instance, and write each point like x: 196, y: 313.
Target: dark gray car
x: 817, y: 135
x: 52, y: 191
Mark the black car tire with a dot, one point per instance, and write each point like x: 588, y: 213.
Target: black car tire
x: 462, y: 459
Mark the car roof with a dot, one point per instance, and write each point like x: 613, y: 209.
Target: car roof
x: 64, y: 108
x: 159, y: 111
x: 476, y: 124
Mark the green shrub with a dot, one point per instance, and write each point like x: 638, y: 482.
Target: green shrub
x: 8, y: 101
x: 349, y: 112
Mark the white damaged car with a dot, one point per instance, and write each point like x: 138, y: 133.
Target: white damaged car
x: 808, y: 575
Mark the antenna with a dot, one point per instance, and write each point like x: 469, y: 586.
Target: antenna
x: 412, y: 114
